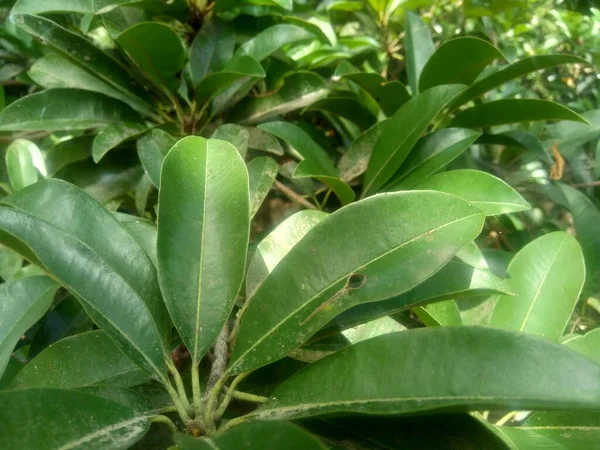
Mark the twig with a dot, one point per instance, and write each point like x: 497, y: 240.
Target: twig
x: 506, y: 418
x: 293, y: 195
x: 587, y: 185
x: 220, y: 363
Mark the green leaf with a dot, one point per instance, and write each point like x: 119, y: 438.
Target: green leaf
x: 571, y: 136
x: 211, y: 50
x: 442, y: 314
x: 74, y: 6
x: 68, y: 152
x: 512, y: 110
x: 586, y: 219
x: 143, y: 231
x: 390, y: 95
x: 272, y: 39
x: 262, y: 172
x: 64, y: 109
x: 241, y: 67
x: 156, y: 49
x: 401, y: 133
x: 114, y: 135
x: 253, y: 435
x: 10, y: 263
x: 87, y: 359
x: 432, y: 153
x: 301, y: 89
x: 236, y: 135
x: 152, y: 149
x: 86, y: 55
x: 73, y: 420
x: 458, y: 61
x: 24, y: 163
x: 340, y: 5
x: 475, y: 369
x: 22, y: 304
x: 490, y: 194
x: 351, y: 257
x: 574, y: 430
x: 521, y: 439
x: 588, y: 345
x: 354, y: 162
x: 277, y: 244
x: 263, y: 141
x: 92, y: 255
x: 419, y: 48
x: 349, y: 108
x: 511, y: 72
x: 316, y: 25
x: 547, y: 276
x: 315, y: 162
x: 201, y: 245
x: 454, y: 280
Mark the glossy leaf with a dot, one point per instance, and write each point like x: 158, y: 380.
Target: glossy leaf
x: 490, y: 194
x: 273, y: 248
x: 24, y: 163
x: 87, y: 359
x: 419, y: 48
x: 432, y: 153
x: 252, y: 435
x: 512, y: 372
x: 315, y: 162
x: 201, y: 245
x: 64, y: 109
x: 442, y: 314
x: 79, y: 421
x: 513, y: 110
x: 114, y: 135
x: 143, y: 231
x: 155, y: 48
x: 547, y: 276
x: 574, y: 430
x: 301, y: 89
x: 68, y: 152
x: 241, y: 67
x: 328, y: 271
x: 262, y: 172
x: 511, y: 72
x: 65, y: 230
x: 588, y: 345
x: 22, y: 304
x: 586, y: 219
x: 458, y: 61
x: 390, y: 95
x: 401, y: 133
x: 272, y: 39
x: 316, y: 25
x: 152, y: 149
x: 211, y: 50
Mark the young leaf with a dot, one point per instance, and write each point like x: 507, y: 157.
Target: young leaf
x: 155, y: 49
x: 22, y: 304
x: 277, y: 244
x: 152, y: 149
x: 490, y: 194
x: 24, y: 163
x: 513, y: 110
x: 262, y: 172
x: 401, y: 133
x: 87, y: 359
x: 202, y: 245
x: 272, y: 39
x: 114, y: 135
x: 513, y: 71
x: 211, y: 50
x: 64, y: 109
x: 432, y: 153
x: 419, y: 48
x: 476, y: 369
x: 315, y: 163
x: 91, y: 254
x: 547, y: 276
x: 458, y: 61
x: 79, y: 421
x: 351, y: 257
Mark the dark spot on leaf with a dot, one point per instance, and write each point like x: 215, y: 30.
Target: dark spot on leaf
x: 356, y: 281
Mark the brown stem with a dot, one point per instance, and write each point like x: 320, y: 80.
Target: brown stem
x: 293, y: 195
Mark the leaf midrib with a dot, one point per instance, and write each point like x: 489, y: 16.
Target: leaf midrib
x: 105, y: 431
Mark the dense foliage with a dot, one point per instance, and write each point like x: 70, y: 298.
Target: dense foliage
x: 364, y: 224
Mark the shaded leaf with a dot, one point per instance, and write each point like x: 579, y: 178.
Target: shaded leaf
x: 347, y: 107
x: 390, y: 95
x: 68, y: 152
x: 240, y: 68
x: 152, y: 149
x: 262, y: 172
x: 114, y: 135
x: 236, y: 135
x: 354, y: 162
x: 211, y: 50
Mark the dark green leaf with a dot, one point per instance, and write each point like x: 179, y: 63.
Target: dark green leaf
x: 241, y: 67
x: 114, y: 135
x: 490, y: 194
x: 22, y: 304
x: 574, y: 430
x: 547, y: 276
x: 75, y: 6
x: 201, y: 245
x: 351, y: 257
x: 391, y: 95
x: 262, y: 172
x: 64, y: 109
x: 143, y: 231
x: 316, y: 25
x: 347, y: 107
x: 87, y: 359
x: 152, y: 149
x: 475, y: 369
x: 401, y: 133
x: 68, y: 152
x: 79, y: 421
x: 513, y: 110
x: 419, y: 48
x: 211, y: 50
